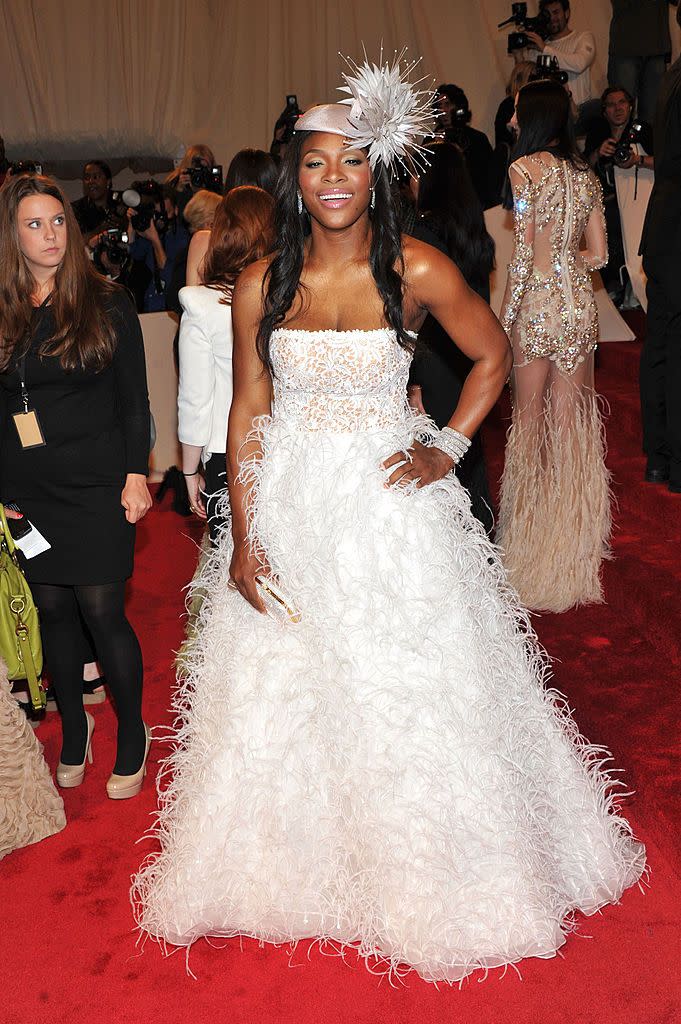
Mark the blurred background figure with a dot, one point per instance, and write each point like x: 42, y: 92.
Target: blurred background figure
x: 450, y: 217
x: 248, y: 167
x: 199, y: 212
x: 640, y: 47
x: 661, y: 248
x: 97, y: 206
x: 196, y: 170
x: 454, y: 124
x: 242, y: 232
x: 611, y: 143
x: 252, y: 167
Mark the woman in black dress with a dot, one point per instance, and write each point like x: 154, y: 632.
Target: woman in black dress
x: 74, y: 447
x: 450, y: 217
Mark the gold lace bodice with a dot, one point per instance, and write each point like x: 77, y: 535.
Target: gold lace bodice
x: 549, y: 308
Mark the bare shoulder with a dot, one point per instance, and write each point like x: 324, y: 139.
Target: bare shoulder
x: 421, y: 260
x: 429, y: 274
x: 248, y: 291
x: 251, y: 279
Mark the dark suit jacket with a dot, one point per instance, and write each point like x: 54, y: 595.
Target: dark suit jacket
x: 661, y: 241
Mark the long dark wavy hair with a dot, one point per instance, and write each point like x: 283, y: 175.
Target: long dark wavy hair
x: 450, y: 206
x: 282, y: 279
x: 543, y: 113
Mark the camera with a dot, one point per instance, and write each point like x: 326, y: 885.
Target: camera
x: 518, y: 40
x: 143, y: 197
x: 206, y: 177
x: 114, y: 243
x: 26, y: 167
x: 287, y: 119
x: 547, y: 69
x: 623, y: 149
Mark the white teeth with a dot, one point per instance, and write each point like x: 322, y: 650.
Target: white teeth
x: 337, y: 195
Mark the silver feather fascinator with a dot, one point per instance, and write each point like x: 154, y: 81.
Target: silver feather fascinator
x: 384, y: 113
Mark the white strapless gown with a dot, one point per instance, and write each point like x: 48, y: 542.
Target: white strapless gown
x: 390, y: 773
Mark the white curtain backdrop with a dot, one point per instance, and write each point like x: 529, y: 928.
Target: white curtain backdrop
x: 115, y: 78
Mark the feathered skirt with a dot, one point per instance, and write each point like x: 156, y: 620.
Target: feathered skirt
x: 391, y: 773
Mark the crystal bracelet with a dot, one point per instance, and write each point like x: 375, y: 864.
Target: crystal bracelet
x: 453, y: 443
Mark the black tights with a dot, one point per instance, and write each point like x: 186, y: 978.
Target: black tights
x: 118, y: 651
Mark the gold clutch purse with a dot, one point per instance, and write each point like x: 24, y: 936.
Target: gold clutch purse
x: 277, y: 603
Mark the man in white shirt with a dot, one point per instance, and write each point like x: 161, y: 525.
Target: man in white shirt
x: 575, y: 51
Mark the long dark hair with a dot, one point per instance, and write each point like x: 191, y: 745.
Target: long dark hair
x: 450, y: 205
x: 252, y: 167
x: 544, y: 125
x: 83, y: 336
x: 242, y: 232
x: 282, y: 279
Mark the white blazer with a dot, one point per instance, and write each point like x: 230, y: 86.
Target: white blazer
x: 205, y: 390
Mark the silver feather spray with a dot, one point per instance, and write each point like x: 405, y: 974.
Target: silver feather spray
x: 389, y: 115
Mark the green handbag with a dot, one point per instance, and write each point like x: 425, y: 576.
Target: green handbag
x: 20, y: 644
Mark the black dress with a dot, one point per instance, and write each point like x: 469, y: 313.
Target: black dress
x: 440, y: 370
x: 96, y: 427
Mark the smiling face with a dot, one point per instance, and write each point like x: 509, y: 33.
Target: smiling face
x: 559, y: 18
x: 334, y: 179
x: 41, y: 232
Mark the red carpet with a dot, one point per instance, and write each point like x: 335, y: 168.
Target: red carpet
x: 67, y: 949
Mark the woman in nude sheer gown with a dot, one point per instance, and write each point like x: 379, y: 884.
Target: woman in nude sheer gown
x: 554, y: 518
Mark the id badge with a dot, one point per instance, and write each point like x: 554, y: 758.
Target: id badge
x: 29, y: 429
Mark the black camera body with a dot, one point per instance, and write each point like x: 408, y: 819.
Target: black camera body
x: 114, y: 243
x: 209, y: 178
x: 142, y: 197
x: 518, y: 40
x: 632, y: 135
x: 547, y: 69
x: 287, y: 119
x: 26, y: 167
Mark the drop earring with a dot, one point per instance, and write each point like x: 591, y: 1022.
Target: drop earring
x: 372, y: 200
x: 299, y: 196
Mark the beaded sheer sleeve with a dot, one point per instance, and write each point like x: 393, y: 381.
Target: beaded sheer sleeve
x: 549, y: 308
x: 520, y: 267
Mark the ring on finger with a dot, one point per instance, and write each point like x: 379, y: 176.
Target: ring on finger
x: 231, y: 584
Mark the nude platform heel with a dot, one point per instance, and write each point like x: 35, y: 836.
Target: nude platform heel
x: 71, y: 775
x: 122, y: 787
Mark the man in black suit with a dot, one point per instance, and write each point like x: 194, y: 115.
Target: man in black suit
x: 661, y: 247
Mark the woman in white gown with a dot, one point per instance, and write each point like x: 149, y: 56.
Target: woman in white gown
x: 388, y: 772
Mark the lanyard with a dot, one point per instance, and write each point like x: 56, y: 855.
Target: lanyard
x: 21, y: 363
x: 21, y: 366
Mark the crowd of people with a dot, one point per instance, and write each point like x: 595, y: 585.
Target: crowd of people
x: 338, y: 464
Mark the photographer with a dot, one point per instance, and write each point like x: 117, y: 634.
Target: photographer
x: 157, y: 238
x: 454, y: 122
x: 610, y: 144
x: 196, y: 170
x: 97, y: 206
x: 575, y: 52
x: 283, y: 129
